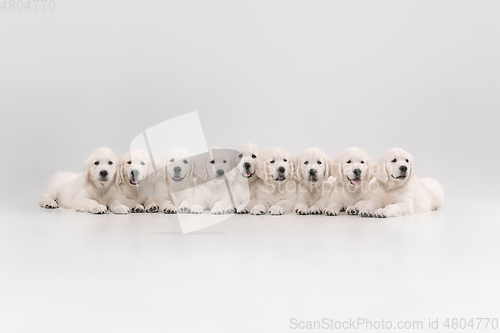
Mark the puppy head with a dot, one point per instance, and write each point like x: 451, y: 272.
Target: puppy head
x: 100, y: 167
x: 352, y: 167
x: 395, y: 166
x: 276, y: 164
x: 213, y: 165
x: 312, y: 165
x: 248, y: 154
x: 134, y: 166
x: 177, y: 165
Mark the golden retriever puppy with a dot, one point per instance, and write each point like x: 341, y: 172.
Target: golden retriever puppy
x: 95, y: 191
x: 276, y: 188
x: 135, y: 170
x: 174, y: 188
x: 212, y: 189
x: 243, y: 186
x: 353, y: 172
x: 313, y: 191
x: 399, y: 192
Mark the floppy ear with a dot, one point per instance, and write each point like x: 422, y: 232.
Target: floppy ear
x: 120, y: 172
x: 200, y: 166
x: 260, y: 168
x: 369, y: 170
x: 298, y: 162
x: 411, y: 167
x: 381, y: 171
x: 234, y: 160
x: 327, y: 172
x: 336, y: 168
x: 86, y: 171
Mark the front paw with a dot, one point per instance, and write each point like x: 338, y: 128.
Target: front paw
x: 242, y: 209
x: 330, y: 211
x: 170, y: 209
x: 314, y: 210
x: 301, y: 210
x: 258, y: 210
x: 351, y: 210
x: 185, y: 210
x: 365, y: 213
x: 196, y: 209
x: 121, y: 209
x: 137, y: 209
x: 276, y: 210
x: 152, y: 208
x: 99, y: 209
x: 217, y: 210
x: 230, y: 210
x: 380, y: 213
x: 49, y: 204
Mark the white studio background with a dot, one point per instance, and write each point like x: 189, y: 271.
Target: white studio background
x: 420, y: 75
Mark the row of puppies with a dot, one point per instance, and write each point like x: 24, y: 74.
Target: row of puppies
x: 259, y: 182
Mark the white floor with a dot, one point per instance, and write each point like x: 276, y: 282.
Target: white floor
x: 64, y: 271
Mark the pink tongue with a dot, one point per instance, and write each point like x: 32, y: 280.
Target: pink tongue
x: 247, y: 174
x: 133, y: 181
x: 356, y: 181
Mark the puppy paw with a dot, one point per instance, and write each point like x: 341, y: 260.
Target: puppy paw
x: 242, y: 209
x: 331, y: 212
x: 301, y: 210
x: 314, y: 210
x: 351, y: 210
x: 276, y: 210
x: 365, y: 213
x: 137, y: 209
x: 185, y: 210
x: 170, y: 209
x: 258, y: 210
x: 99, y: 209
x: 122, y: 209
x: 217, y: 210
x: 230, y: 210
x: 380, y: 213
x: 49, y: 204
x: 196, y: 209
x: 152, y: 208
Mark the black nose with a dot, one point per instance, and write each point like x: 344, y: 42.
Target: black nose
x: 357, y: 172
x: 220, y: 173
x: 177, y: 169
x: 312, y: 172
x: 281, y: 170
x: 246, y: 165
x: 103, y: 173
x: 135, y: 173
x: 403, y: 168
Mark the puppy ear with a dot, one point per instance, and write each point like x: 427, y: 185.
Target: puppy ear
x: 260, y: 168
x: 297, y: 164
x: 369, y: 169
x: 381, y: 171
x: 411, y: 167
x: 327, y: 172
x: 336, y: 168
x: 291, y: 162
x: 120, y: 172
x: 86, y: 171
x: 200, y: 167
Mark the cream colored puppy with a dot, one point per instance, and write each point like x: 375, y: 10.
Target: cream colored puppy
x: 135, y: 172
x: 353, y: 172
x: 243, y: 185
x: 313, y: 191
x: 276, y: 188
x: 95, y: 191
x: 174, y: 190
x: 212, y: 182
x: 399, y: 192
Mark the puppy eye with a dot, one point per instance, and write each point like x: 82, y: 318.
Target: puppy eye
x: 319, y: 162
x: 129, y: 162
x: 394, y: 161
x: 306, y: 163
x: 225, y: 161
x: 110, y: 163
x: 212, y: 161
x: 253, y: 156
x: 407, y: 161
x: 240, y: 156
x: 349, y: 161
x: 272, y: 161
x: 185, y: 162
x: 362, y: 162
x: 96, y: 162
x: 171, y: 160
x: 284, y: 160
x: 142, y: 163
